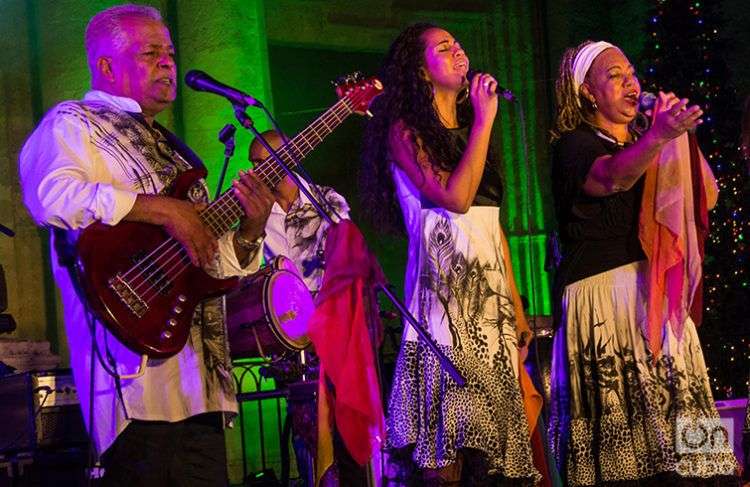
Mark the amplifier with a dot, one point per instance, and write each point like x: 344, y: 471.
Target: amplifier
x: 732, y: 413
x: 40, y: 410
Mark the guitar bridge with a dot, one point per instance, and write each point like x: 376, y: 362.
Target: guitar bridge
x: 128, y: 296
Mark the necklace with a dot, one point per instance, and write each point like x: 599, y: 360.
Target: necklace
x: 605, y: 134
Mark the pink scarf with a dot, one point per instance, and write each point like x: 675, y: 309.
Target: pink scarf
x: 340, y: 328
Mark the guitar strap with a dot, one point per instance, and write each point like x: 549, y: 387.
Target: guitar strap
x: 66, y: 257
x: 172, y: 140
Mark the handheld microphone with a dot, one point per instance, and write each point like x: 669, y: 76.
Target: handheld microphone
x: 200, y: 81
x: 642, y: 122
x: 646, y: 101
x: 504, y: 92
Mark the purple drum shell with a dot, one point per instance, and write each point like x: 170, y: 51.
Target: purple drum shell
x: 268, y: 314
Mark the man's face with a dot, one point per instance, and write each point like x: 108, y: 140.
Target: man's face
x: 144, y: 69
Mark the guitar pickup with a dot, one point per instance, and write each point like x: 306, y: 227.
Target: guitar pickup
x: 128, y: 296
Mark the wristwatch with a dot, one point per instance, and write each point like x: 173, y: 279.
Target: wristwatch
x: 249, y: 245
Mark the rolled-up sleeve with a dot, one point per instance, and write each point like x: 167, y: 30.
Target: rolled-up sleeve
x: 61, y: 181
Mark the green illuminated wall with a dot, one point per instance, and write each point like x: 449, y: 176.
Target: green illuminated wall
x: 226, y: 39
x: 520, y: 68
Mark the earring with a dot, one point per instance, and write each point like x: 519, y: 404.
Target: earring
x: 594, y: 105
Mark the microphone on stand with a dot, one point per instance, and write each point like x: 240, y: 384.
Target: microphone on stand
x: 200, y: 81
x: 504, y: 92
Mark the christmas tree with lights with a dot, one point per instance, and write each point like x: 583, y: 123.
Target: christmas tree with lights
x: 684, y: 55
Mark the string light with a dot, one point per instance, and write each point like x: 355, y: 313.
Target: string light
x: 683, y: 37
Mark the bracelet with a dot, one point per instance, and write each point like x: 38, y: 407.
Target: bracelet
x: 249, y: 245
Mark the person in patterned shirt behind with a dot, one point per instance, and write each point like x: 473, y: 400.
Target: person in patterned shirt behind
x: 294, y: 228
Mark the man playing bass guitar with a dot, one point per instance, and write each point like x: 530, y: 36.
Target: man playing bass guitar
x: 104, y: 159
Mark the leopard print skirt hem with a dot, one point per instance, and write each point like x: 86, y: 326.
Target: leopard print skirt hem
x: 431, y: 413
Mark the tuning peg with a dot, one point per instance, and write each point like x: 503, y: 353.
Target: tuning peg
x: 358, y: 76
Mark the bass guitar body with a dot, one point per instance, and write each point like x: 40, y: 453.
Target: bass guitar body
x: 140, y: 283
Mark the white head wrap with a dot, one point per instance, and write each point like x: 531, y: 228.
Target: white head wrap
x: 583, y: 61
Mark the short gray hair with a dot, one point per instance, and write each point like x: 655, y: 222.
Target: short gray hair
x: 107, y: 25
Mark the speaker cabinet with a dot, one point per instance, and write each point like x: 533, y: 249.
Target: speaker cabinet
x: 732, y: 413
x: 40, y: 410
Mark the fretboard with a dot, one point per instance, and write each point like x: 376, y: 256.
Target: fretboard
x: 223, y: 214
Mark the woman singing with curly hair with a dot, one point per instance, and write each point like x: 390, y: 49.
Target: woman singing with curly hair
x: 626, y: 402
x: 427, y: 151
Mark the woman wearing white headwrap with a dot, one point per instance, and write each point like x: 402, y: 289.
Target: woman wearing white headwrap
x: 619, y: 411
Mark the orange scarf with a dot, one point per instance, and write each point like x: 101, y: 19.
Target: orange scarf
x: 672, y: 230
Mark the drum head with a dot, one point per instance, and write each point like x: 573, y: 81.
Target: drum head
x: 290, y: 307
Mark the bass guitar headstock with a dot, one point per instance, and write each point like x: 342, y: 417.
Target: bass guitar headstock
x: 359, y: 91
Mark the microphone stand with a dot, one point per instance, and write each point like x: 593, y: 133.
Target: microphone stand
x: 247, y: 122
x: 300, y: 168
x: 226, y: 137
x: 424, y: 335
x: 7, y: 231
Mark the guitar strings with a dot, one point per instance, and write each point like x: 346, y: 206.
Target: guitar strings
x: 183, y: 262
x: 231, y: 204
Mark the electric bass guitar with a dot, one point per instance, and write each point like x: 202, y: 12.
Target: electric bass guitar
x: 139, y: 281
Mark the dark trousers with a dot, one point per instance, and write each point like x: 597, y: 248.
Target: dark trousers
x: 156, y: 453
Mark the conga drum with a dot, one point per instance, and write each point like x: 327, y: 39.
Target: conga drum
x: 267, y: 315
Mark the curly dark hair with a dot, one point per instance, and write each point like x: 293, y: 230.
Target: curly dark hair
x: 407, y: 98
x: 572, y: 107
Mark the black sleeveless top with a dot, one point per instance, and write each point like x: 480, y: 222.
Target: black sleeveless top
x: 490, y: 190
